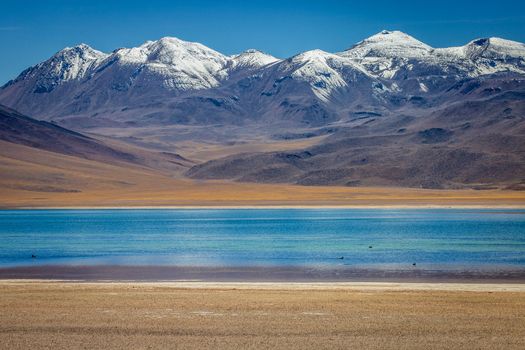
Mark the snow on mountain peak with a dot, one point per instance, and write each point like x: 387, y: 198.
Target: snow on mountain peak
x: 171, y: 50
x: 79, y: 47
x: 170, y: 65
x: 70, y: 63
x: 494, y: 48
x: 178, y: 64
x: 82, y: 50
x: 388, y: 44
x: 251, y: 59
x: 323, y: 71
x: 395, y: 38
x: 315, y: 54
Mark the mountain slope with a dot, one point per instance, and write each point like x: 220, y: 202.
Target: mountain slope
x: 17, y: 129
x: 477, y: 142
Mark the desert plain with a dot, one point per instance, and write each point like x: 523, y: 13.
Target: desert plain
x: 193, y: 315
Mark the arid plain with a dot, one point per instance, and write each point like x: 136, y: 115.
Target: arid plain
x: 38, y: 178
x: 279, y: 316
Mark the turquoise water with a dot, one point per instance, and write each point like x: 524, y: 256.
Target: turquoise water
x: 264, y: 237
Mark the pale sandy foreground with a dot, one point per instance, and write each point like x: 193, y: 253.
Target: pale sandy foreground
x: 58, y: 315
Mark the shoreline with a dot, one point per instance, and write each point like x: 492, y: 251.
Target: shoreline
x: 284, y: 206
x: 287, y: 286
x: 262, y: 274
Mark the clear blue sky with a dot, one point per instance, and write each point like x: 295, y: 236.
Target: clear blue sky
x: 31, y: 31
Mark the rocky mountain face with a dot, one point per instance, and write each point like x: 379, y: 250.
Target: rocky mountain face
x: 391, y: 109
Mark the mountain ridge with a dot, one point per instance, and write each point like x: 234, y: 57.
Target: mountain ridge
x: 170, y: 68
x: 389, y: 111
x: 167, y: 50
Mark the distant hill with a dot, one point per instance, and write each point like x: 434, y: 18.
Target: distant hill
x: 19, y: 129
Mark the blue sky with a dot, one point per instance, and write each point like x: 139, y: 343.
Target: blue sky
x: 31, y: 31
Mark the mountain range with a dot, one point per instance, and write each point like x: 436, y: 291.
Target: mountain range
x: 389, y: 111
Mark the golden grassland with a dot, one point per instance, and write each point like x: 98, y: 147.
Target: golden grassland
x: 45, y: 179
x: 282, y: 316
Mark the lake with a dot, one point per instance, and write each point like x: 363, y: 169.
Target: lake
x: 445, y: 239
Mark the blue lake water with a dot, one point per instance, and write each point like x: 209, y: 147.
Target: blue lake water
x: 265, y: 237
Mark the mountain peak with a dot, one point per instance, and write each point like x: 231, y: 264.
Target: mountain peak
x: 390, y: 33
x: 251, y: 51
x: 81, y: 50
x: 494, y: 48
x: 173, y: 42
x: 388, y: 43
x: 171, y: 39
x: 315, y: 54
x: 70, y: 63
x: 174, y: 51
x: 251, y: 58
x: 254, y: 52
x: 80, y: 47
x: 495, y: 41
x: 393, y: 37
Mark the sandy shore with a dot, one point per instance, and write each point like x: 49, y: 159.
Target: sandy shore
x: 186, y: 315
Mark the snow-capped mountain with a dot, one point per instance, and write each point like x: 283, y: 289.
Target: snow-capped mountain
x: 71, y: 63
x: 394, y: 55
x: 250, y: 59
x: 176, y: 64
x: 388, y: 44
x: 171, y: 81
x: 389, y: 111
